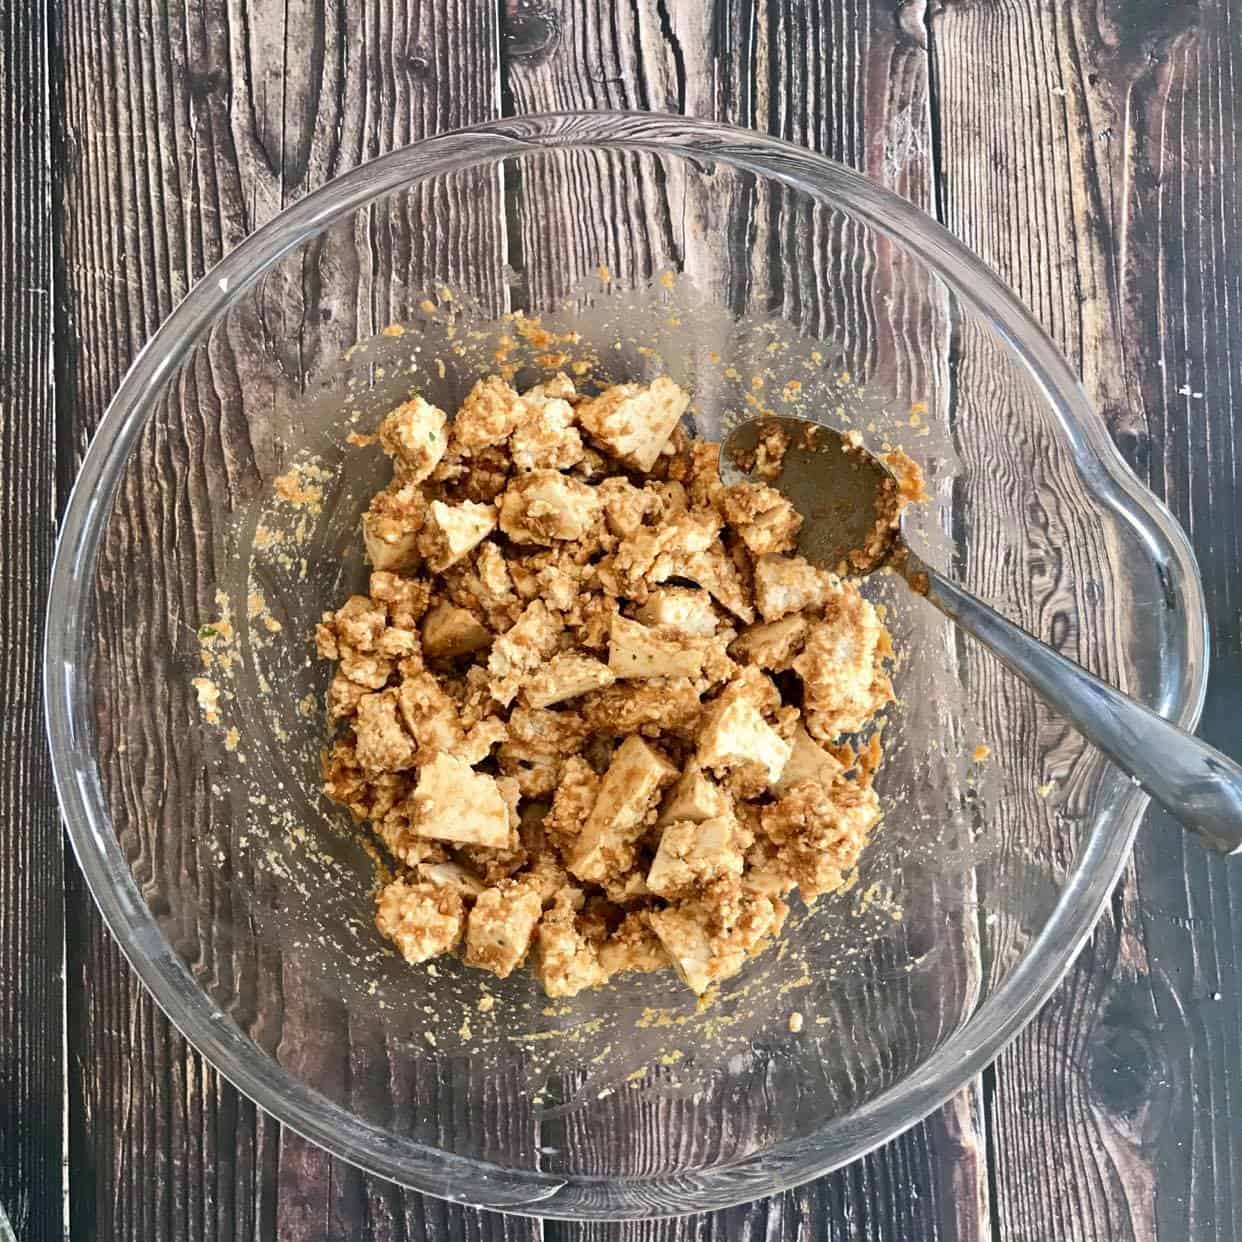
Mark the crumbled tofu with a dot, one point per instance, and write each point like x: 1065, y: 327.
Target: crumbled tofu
x: 785, y: 584
x: 490, y: 414
x: 680, y: 608
x: 451, y: 531
x: 736, y: 733
x: 547, y: 438
x: 633, y: 947
x: 391, y: 527
x: 522, y: 649
x: 566, y: 961
x: 710, y: 938
x: 653, y: 782
x: 455, y: 803
x: 764, y: 519
x: 450, y: 632
x: 546, y: 506
x: 566, y: 676
x: 626, y: 794
x: 414, y: 436
x: 383, y: 743
x: 695, y: 797
x: 637, y: 650
x: 500, y: 926
x: 429, y: 714
x: 691, y: 855
x: 422, y: 920
x: 632, y: 422
x: 842, y: 667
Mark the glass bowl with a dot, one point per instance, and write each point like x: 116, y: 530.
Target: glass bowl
x: 216, y: 517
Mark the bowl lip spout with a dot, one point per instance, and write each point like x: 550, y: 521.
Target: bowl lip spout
x: 209, y: 1029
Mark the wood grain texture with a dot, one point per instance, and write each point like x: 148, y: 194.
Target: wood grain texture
x: 1090, y: 154
x: 185, y: 129
x: 31, y: 853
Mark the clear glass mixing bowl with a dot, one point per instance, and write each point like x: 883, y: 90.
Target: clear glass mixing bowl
x: 185, y: 710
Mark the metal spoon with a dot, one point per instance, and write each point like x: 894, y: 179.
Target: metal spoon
x: 836, y: 486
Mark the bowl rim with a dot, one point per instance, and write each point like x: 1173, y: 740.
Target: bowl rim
x: 463, y: 1179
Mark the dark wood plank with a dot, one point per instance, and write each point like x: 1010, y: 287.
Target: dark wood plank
x: 188, y: 127
x: 851, y: 80
x: 1091, y: 155
x: 31, y: 843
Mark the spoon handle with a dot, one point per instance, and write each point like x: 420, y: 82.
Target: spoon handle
x: 1196, y: 784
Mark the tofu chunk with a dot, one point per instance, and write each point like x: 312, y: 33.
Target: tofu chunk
x: 691, y: 855
x: 566, y: 959
x: 771, y: 644
x: 714, y: 571
x: 414, y: 435
x: 635, y: 650
x: 632, y: 947
x: 455, y: 803
x: 429, y: 714
x: 605, y: 847
x: 450, y: 632
x: 695, y: 797
x: 545, y: 506
x: 383, y: 743
x: 709, y: 939
x: 547, y: 438
x: 736, y: 733
x: 785, y: 584
x: 680, y: 608
x: 391, y: 527
x: 452, y: 531
x: 566, y: 676
x: 519, y: 652
x: 500, y: 926
x: 842, y: 667
x: 764, y: 519
x: 422, y: 920
x: 808, y: 761
x: 632, y: 422
x: 488, y: 416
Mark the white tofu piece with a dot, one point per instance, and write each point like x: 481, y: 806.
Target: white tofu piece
x: 808, y: 761
x: 634, y: 650
x: 451, y: 531
x: 449, y: 632
x: 632, y: 422
x: 605, y: 847
x: 735, y: 732
x: 695, y: 797
x: 451, y: 875
x: 429, y: 714
x: 546, y: 506
x: 500, y: 926
x: 691, y: 855
x: 785, y: 584
x: 455, y: 803
x: 415, y: 436
x: 771, y: 644
x: 681, y: 608
x: 566, y: 676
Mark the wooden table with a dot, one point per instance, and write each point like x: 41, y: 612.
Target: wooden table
x: 1088, y: 149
